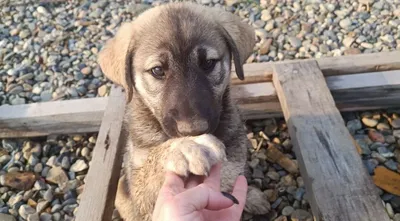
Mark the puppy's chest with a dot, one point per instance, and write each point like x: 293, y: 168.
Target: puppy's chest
x: 137, y: 156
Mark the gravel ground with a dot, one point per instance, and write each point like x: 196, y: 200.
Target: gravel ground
x: 48, y: 52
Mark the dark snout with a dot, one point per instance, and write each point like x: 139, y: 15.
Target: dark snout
x: 191, y: 114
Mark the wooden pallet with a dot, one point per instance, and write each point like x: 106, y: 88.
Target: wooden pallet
x: 308, y: 93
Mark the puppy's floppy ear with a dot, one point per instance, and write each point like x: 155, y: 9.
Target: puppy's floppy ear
x: 239, y: 35
x: 115, y: 59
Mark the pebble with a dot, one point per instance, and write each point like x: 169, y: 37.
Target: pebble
x: 348, y: 41
x: 25, y: 210
x: 102, y: 91
x: 354, y: 125
x: 295, y: 42
x: 79, y: 166
x: 389, y: 210
x: 369, y: 122
x: 395, y: 123
x: 34, y: 217
x: 57, y: 175
x: 391, y: 164
x: 301, y: 215
x: 6, y: 217
x: 345, y: 23
x: 45, y: 217
x: 48, y: 195
x: 396, y: 217
x: 86, y: 70
x: 287, y: 211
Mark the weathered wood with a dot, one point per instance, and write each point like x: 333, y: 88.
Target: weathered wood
x: 337, y: 183
x: 97, y: 202
x: 351, y: 92
x: 37, y: 119
x: 330, y: 66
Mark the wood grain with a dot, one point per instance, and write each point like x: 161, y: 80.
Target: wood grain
x: 330, y: 66
x: 97, y: 202
x: 39, y: 119
x: 366, y: 91
x: 337, y: 183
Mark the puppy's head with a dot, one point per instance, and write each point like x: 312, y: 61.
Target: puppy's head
x: 177, y: 57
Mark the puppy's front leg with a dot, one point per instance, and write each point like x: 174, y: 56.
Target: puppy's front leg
x: 183, y: 156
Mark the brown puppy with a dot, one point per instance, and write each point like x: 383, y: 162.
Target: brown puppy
x: 174, y: 62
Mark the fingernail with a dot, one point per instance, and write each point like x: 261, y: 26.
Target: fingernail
x: 229, y: 196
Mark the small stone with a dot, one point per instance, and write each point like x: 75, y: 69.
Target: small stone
x: 299, y: 194
x: 352, y: 51
x: 48, y: 195
x: 33, y: 160
x: 85, y: 152
x: 33, y: 217
x: 389, y: 210
x: 45, y: 217
x: 354, y: 125
x: 345, y: 23
x: 376, y: 136
x: 396, y: 154
x: 395, y: 123
x: 378, y: 157
x: 301, y: 215
x: 86, y: 70
x: 65, y: 163
x: 259, y: 202
x: 19, y: 180
x: 38, y: 168
x: 273, y: 175
x: 369, y: 122
x: 388, y: 38
x: 270, y: 25
x: 24, y: 33
x: 6, y: 217
x: 295, y: 42
x: 371, y: 164
x: 287, y: 211
x: 5, y: 159
x: 391, y: 164
x: 25, y: 210
x: 41, y: 206
x: 102, y: 91
x: 258, y: 173
x: 385, y: 152
x: 264, y: 48
x: 348, y: 41
x: 396, y: 217
x: 383, y: 126
x: 78, y: 166
x: 57, y: 175
x: 40, y: 185
x: 46, y: 95
x: 254, y: 163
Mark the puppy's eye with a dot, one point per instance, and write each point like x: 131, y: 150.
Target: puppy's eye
x: 209, y: 64
x: 158, y: 72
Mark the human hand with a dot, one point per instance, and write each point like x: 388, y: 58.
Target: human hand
x: 198, y: 200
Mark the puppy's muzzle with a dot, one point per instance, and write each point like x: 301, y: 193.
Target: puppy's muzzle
x: 192, y: 128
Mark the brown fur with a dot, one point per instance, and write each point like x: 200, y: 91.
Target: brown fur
x: 186, y: 121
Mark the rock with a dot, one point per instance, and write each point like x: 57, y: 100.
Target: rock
x: 38, y: 168
x: 391, y: 164
x: 19, y: 180
x: 388, y: 38
x: 281, y: 218
x: 40, y: 185
x: 387, y: 180
x: 348, y: 41
x: 396, y: 154
x: 395, y: 123
x: 41, y: 206
x: 78, y: 166
x: 86, y: 70
x: 376, y: 136
x: 102, y: 90
x: 345, y: 23
x: 56, y: 175
x: 396, y: 217
x: 382, y: 126
x: 287, y: 211
x: 389, y: 210
x: 257, y: 202
x: 270, y: 25
x: 369, y: 122
x: 25, y: 210
x: 46, y: 95
x: 352, y: 51
x: 34, y: 217
x: 4, y: 159
x: 295, y: 42
x: 354, y: 125
x: 45, y: 217
x: 276, y: 156
x: 48, y: 195
x: 385, y: 152
x: 301, y: 215
x: 378, y: 157
x: 65, y: 163
x: 6, y: 217
x: 24, y: 33
x: 264, y: 48
x: 42, y: 10
x: 273, y: 175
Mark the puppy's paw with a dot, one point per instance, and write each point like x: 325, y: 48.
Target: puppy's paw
x: 194, y: 155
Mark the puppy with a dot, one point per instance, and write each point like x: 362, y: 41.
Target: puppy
x: 174, y: 62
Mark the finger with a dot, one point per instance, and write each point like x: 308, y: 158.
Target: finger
x: 214, y: 180
x: 173, y: 184
x: 193, y: 181
x: 202, y: 197
x: 240, y: 191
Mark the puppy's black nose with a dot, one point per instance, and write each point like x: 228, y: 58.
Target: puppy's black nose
x: 192, y: 128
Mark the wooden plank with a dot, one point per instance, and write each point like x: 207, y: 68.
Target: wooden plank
x: 330, y: 66
x: 367, y: 91
x: 338, y: 185
x: 38, y: 119
x: 97, y: 202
